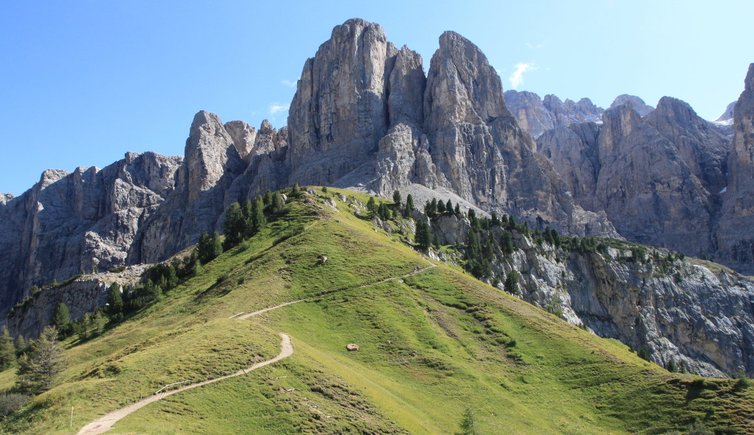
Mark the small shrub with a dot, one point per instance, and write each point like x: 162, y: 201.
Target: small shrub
x: 221, y: 279
x: 11, y: 402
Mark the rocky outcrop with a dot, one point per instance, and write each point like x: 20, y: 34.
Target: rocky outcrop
x: 84, y: 294
x: 658, y: 178
x: 680, y: 313
x: 210, y: 165
x: 78, y: 222
x: 365, y: 116
x: 735, y: 239
x: 243, y: 136
x: 634, y: 102
x: 339, y: 112
x: 536, y: 116
x: 727, y: 117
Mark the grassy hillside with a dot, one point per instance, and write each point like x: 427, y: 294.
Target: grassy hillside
x: 432, y: 345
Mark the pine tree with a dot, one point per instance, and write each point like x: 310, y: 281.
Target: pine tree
x: 511, y: 282
x: 295, y: 190
x: 258, y: 220
x: 115, y: 302
x: 277, y: 203
x: 233, y: 226
x: 457, y: 210
x: 7, y: 350
x: 409, y: 208
x: 494, y: 221
x: 506, y: 244
x: 397, y: 198
x: 21, y: 345
x: 209, y: 247
x: 423, y: 236
x: 37, y: 369
x: 62, y: 319
x: 449, y: 207
x: 372, y: 206
x: 440, y: 208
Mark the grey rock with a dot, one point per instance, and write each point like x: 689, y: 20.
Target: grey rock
x: 634, y: 102
x: 699, y: 316
x: 657, y: 178
x: 727, y: 117
x: 734, y: 235
x: 197, y: 204
x: 339, y: 111
x: 536, y: 116
x: 243, y: 136
x: 73, y: 223
x: 83, y: 295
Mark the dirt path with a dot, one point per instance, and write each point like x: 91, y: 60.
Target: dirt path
x: 106, y: 422
x: 243, y: 316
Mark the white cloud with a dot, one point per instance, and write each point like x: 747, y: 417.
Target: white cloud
x: 517, y: 78
x: 288, y: 83
x: 276, y: 108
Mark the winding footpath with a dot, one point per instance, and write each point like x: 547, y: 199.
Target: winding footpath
x: 106, y: 422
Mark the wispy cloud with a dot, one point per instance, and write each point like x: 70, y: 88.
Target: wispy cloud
x: 288, y: 83
x: 276, y: 108
x: 517, y: 78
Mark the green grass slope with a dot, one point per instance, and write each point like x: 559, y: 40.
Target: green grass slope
x: 432, y: 345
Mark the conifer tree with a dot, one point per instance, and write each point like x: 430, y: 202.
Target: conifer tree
x: 258, y: 220
x: 21, y: 345
x: 409, y: 208
x: 423, y: 236
x: 62, y: 319
x: 233, y: 226
x: 37, y: 369
x: 7, y: 349
x: 115, y: 302
x: 372, y: 206
x: 397, y: 198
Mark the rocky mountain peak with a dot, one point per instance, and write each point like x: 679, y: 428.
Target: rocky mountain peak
x: 635, y: 102
x: 243, y: 136
x: 407, y: 83
x: 339, y: 111
x: 208, y: 149
x: 462, y: 86
x: 676, y: 112
x: 727, y: 117
x: 537, y: 116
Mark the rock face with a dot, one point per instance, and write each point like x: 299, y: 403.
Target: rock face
x: 658, y: 178
x: 735, y: 238
x: 537, y: 116
x: 83, y: 295
x: 727, y: 117
x: 339, y: 113
x: 73, y: 223
x: 210, y: 165
x: 677, y: 312
x: 634, y: 102
x: 365, y: 116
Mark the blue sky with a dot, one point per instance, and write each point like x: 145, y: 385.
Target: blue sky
x: 82, y: 82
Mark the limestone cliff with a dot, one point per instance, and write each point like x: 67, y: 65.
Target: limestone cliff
x: 734, y: 234
x: 659, y: 177
x: 78, y: 222
x: 678, y: 312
